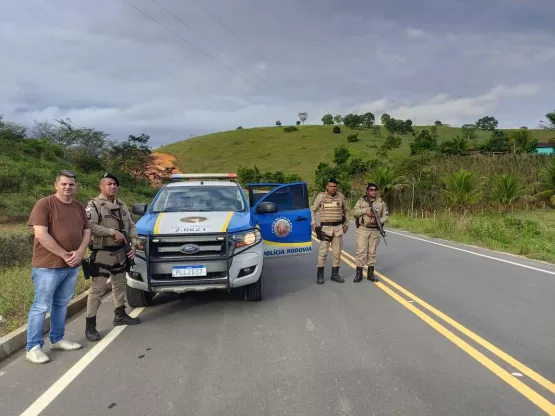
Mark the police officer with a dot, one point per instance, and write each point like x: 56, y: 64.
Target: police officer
x: 111, y: 253
x: 367, y: 234
x: 334, y: 223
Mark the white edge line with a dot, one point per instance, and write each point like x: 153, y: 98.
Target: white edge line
x: 49, y: 395
x: 473, y: 252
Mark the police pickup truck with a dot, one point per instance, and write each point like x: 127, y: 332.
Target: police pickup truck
x: 202, y: 233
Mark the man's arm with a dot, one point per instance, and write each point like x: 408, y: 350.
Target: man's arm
x: 345, y: 213
x: 358, y: 210
x: 39, y: 219
x: 46, y: 240
x: 314, y: 208
x: 385, y: 213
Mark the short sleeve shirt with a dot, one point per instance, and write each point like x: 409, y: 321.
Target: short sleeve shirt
x: 65, y: 223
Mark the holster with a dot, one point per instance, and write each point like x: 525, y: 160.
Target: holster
x: 322, y: 236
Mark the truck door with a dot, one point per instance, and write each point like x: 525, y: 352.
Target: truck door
x: 286, y: 232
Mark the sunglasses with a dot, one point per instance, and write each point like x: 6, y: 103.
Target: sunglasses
x: 372, y: 189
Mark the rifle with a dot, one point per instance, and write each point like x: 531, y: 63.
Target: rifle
x: 127, y: 246
x: 378, y: 223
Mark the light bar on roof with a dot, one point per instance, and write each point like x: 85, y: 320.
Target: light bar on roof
x: 203, y: 176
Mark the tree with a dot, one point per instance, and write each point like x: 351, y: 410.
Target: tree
x: 457, y: 146
x: 384, y: 118
x: 523, y: 142
x: 341, y: 154
x: 463, y: 188
x: 468, y: 131
x: 487, y: 123
x: 437, y: 123
x: 278, y: 123
x: 506, y: 189
x: 352, y: 120
x: 327, y: 119
x: 337, y: 118
x: 498, y: 142
x: 550, y: 125
x: 368, y: 119
x: 303, y: 116
x: 423, y: 142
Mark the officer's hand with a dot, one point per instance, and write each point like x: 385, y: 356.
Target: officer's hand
x: 131, y: 254
x: 119, y: 237
x: 314, y: 227
x: 345, y: 228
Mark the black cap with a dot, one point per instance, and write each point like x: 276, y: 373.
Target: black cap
x: 370, y: 185
x: 332, y: 180
x: 110, y: 176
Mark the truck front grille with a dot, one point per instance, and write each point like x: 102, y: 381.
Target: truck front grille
x: 212, y: 246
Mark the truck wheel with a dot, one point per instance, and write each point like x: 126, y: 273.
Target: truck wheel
x: 254, y: 291
x: 137, y: 298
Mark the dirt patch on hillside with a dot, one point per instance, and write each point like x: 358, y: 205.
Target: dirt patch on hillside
x: 164, y: 161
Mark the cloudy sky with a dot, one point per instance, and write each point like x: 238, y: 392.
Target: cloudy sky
x: 177, y: 68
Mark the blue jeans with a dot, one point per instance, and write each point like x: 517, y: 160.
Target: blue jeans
x: 54, y: 289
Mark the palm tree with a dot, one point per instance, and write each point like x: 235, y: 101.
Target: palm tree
x: 463, y: 188
x: 389, y: 182
x: 506, y: 190
x: 547, y: 184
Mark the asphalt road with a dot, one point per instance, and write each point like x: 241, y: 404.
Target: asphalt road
x: 336, y: 349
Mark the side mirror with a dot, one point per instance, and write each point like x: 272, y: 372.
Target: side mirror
x: 266, y: 208
x: 139, y: 209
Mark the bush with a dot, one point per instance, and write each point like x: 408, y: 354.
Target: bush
x: 337, y: 130
x: 290, y: 129
x: 16, y: 248
x: 351, y: 138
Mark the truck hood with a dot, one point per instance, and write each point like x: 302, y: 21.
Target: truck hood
x: 193, y: 222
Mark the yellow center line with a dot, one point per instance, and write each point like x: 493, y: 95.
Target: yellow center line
x: 519, y: 386
x: 548, y: 385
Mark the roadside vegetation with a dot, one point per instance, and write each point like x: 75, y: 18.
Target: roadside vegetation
x: 475, y: 184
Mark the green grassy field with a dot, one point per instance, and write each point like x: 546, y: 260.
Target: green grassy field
x: 270, y: 148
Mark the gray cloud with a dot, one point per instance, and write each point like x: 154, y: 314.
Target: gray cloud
x: 108, y: 65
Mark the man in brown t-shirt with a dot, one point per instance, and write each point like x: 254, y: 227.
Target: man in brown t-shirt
x: 62, y: 234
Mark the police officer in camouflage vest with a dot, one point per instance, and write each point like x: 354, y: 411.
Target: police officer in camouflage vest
x: 113, y: 243
x: 334, y: 222
x: 367, y: 234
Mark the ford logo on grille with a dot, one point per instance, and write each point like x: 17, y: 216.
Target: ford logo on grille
x: 189, y: 249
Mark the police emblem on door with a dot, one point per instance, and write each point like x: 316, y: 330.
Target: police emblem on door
x: 282, y: 227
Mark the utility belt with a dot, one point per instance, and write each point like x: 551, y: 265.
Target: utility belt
x: 331, y: 224
x: 91, y: 267
x: 358, y: 224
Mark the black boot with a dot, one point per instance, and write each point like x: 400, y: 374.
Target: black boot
x: 121, y: 317
x: 371, y: 275
x: 358, y: 276
x: 320, y: 276
x: 90, y: 329
x: 335, y: 275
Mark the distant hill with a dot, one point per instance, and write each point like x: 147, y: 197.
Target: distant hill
x: 272, y: 148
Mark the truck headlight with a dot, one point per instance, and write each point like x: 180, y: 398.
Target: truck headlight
x: 141, y: 241
x: 246, y: 238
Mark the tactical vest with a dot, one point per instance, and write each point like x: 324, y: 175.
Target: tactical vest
x: 331, y: 208
x: 364, y: 219
x: 110, y: 215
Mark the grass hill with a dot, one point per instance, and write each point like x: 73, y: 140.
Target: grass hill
x: 273, y: 148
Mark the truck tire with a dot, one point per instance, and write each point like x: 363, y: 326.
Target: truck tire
x: 137, y: 298
x: 254, y: 291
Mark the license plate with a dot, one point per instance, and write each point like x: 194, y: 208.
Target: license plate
x: 188, y: 271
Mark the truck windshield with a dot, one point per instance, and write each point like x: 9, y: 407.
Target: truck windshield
x: 202, y: 198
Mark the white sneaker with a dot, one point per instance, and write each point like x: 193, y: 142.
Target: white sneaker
x: 37, y: 356
x: 65, y: 345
